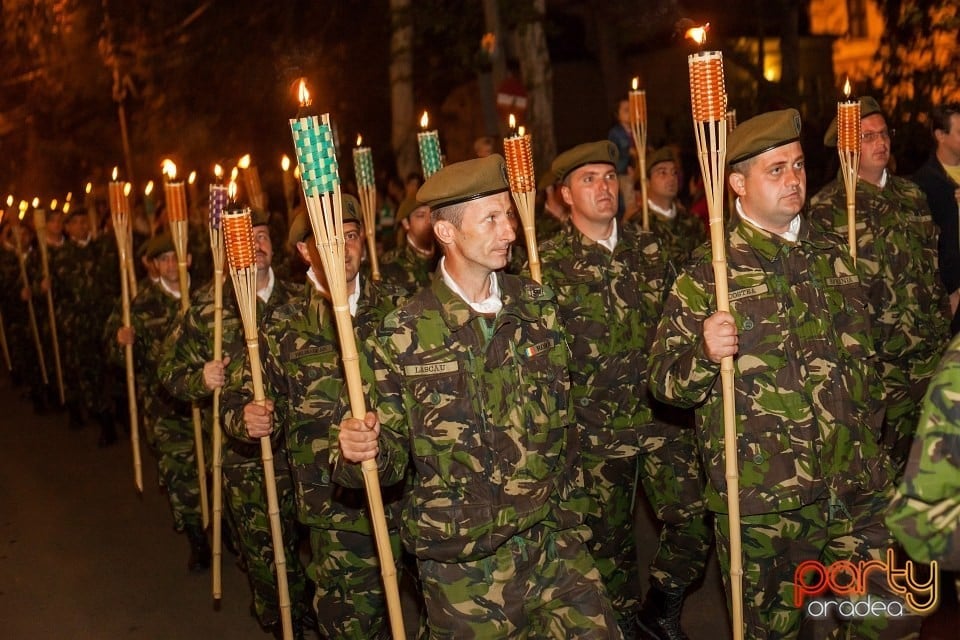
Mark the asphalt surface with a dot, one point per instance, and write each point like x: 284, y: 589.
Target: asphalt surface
x: 84, y: 556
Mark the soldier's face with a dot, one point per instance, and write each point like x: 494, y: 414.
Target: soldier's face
x: 166, y: 264
x: 591, y: 191
x: 263, y: 246
x: 352, y: 249
x: 486, y: 232
x: 419, y: 227
x: 774, y: 188
x: 78, y: 228
x: 54, y: 224
x: 664, y: 181
x: 875, y: 143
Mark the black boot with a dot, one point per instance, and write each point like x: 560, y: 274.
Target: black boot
x: 199, y: 549
x: 659, y: 618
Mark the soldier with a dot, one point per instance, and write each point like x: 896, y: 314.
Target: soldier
x: 814, y: 479
x: 609, y: 281
x: 939, y: 178
x: 896, y: 240
x: 167, y: 421
x: 472, y: 390
x: 189, y: 373
x: 411, y: 266
x: 304, y: 377
x: 678, y: 231
x: 920, y: 514
x: 85, y: 286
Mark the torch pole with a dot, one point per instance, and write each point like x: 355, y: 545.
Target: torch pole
x: 39, y: 224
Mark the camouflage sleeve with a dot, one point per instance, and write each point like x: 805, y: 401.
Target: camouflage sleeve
x: 680, y: 372
x: 238, y: 390
x: 184, y: 352
x: 925, y: 513
x: 109, y: 337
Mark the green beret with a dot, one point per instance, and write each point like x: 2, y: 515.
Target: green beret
x: 300, y: 228
x: 602, y: 152
x: 260, y: 218
x: 464, y: 181
x: 158, y: 245
x: 762, y: 133
x: 663, y: 154
x: 868, y: 107
x: 408, y: 206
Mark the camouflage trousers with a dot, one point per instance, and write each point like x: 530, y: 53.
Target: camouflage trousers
x: 245, y: 498
x: 827, y: 531
x: 673, y: 482
x: 539, y: 584
x: 172, y: 441
x: 349, y: 600
x: 84, y: 367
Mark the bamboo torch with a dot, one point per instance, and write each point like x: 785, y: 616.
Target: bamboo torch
x: 176, y: 197
x: 363, y: 170
x: 218, y: 203
x: 313, y: 140
x: 731, y: 116
x: 40, y: 224
x: 25, y: 282
x: 638, y: 126
x: 428, y: 142
x: 518, y: 154
x: 241, y: 253
x: 120, y: 214
x: 251, y: 182
x: 288, y: 186
x: 848, y: 147
x: 708, y: 96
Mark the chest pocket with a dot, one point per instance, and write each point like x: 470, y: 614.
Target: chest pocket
x: 759, y: 325
x: 849, y: 305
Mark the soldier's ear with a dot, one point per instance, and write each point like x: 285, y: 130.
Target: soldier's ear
x: 737, y: 183
x: 303, y: 251
x: 566, y: 194
x: 443, y: 230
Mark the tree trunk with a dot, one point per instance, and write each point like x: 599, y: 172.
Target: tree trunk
x: 402, y: 133
x: 531, y: 48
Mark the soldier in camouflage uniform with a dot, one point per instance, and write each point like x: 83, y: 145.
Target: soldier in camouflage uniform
x: 925, y: 512
x: 814, y: 478
x: 189, y: 373
x: 678, y: 231
x: 85, y: 286
x: 897, y: 241
x: 304, y: 386
x: 411, y: 265
x: 472, y: 390
x: 167, y: 421
x: 609, y: 281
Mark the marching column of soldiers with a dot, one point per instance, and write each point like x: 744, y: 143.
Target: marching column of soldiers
x: 517, y: 425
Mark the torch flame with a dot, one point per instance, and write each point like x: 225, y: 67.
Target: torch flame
x: 10, y: 200
x: 424, y: 120
x: 698, y: 34
x: 234, y: 174
x: 303, y: 94
x: 127, y: 188
x: 148, y: 189
x: 285, y: 163
x: 296, y: 172
x: 521, y: 131
x: 232, y: 190
x: 169, y: 169
x: 66, y: 208
x: 35, y: 203
x: 635, y: 84
x: 113, y: 176
x: 513, y: 122
x: 217, y: 171
x: 53, y: 204
x: 88, y: 188
x: 846, y: 88
x: 244, y: 162
x: 23, y: 208
x: 192, y: 177
x: 359, y: 139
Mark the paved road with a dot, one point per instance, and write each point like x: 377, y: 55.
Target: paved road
x: 82, y: 556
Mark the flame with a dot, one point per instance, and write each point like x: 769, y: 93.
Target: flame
x: 424, y: 120
x: 69, y: 196
x: 234, y: 174
x: 285, y: 163
x: 217, y: 171
x: 127, y: 188
x: 35, y: 203
x: 116, y: 171
x: 53, y: 204
x: 846, y: 88
x: 698, y: 34
x: 513, y: 121
x: 521, y: 131
x: 88, y: 188
x: 192, y: 177
x: 296, y: 172
x: 635, y: 84
x: 169, y: 169
x: 303, y: 95
x: 10, y: 200
x: 232, y: 190
x: 66, y: 207
x: 23, y: 208
x: 244, y: 162
x: 148, y: 189
x: 359, y: 139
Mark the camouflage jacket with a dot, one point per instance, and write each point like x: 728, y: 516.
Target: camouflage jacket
x: 86, y: 282
x: 404, y: 268
x: 679, y: 236
x: 609, y: 305
x: 304, y: 377
x: 925, y: 513
x: 190, y: 345
x: 805, y: 376
x: 480, y: 408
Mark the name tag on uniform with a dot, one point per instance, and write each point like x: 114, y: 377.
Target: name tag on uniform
x: 230, y: 323
x: 749, y: 292
x: 537, y: 349
x: 926, y: 218
x: 431, y: 369
x: 839, y: 282
x: 311, y: 351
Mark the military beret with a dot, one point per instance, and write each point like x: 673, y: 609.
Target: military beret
x: 868, y: 107
x: 74, y: 211
x: 260, y: 218
x: 762, y: 133
x: 602, y: 152
x: 300, y: 228
x: 408, y: 206
x: 464, y: 181
x: 663, y: 154
x: 158, y: 245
